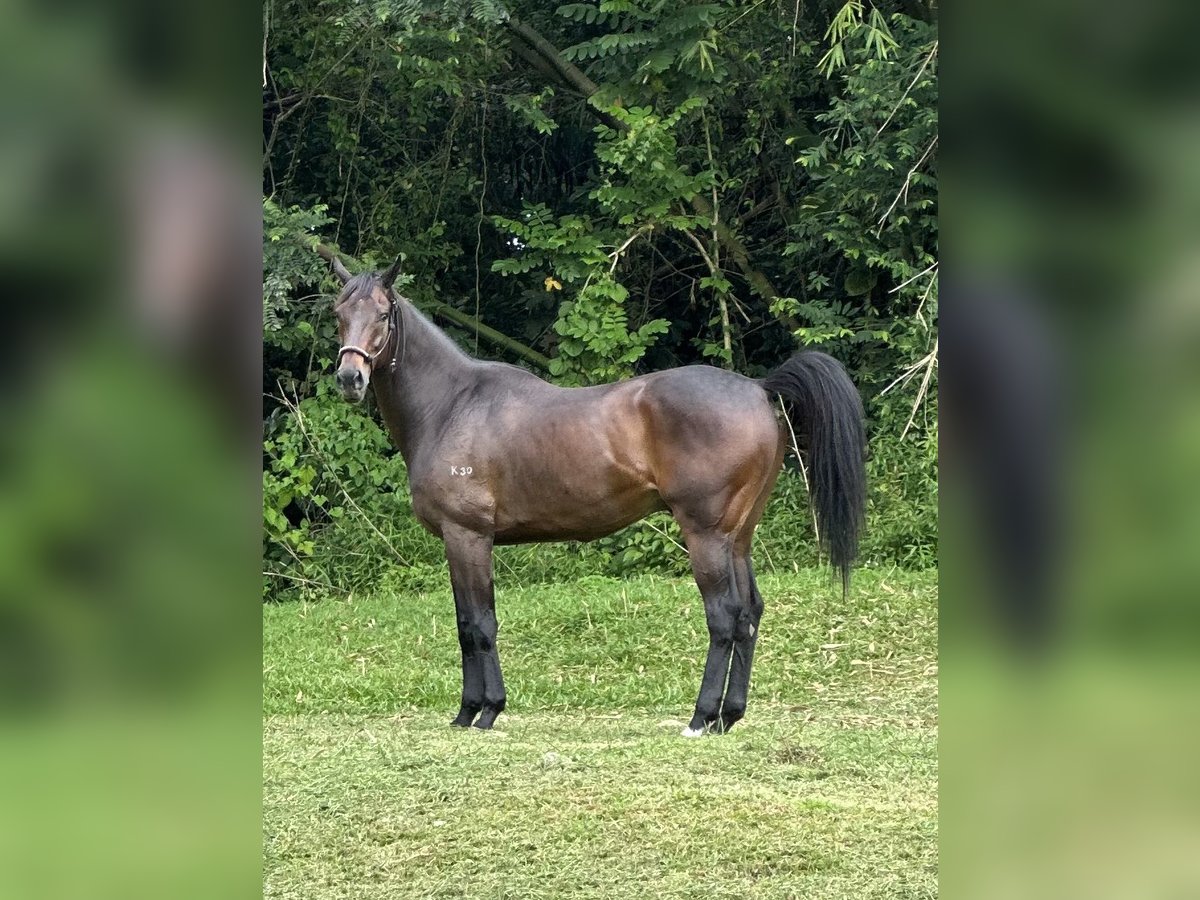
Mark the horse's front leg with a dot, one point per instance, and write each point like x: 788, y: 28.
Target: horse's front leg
x: 470, y: 557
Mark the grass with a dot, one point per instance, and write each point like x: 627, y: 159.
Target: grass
x: 828, y: 789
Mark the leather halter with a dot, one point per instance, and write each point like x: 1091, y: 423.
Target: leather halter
x: 393, y: 328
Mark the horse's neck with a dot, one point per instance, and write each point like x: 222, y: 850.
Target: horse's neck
x: 417, y: 395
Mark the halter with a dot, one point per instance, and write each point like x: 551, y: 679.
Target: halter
x: 393, y: 328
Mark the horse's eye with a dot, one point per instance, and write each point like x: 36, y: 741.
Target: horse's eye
x: 383, y: 317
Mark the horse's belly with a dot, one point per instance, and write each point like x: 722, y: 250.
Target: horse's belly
x: 573, y: 511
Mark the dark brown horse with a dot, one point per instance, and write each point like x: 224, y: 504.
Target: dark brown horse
x: 495, y: 455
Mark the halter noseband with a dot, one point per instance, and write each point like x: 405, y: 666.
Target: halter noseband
x: 393, y: 327
x: 370, y: 358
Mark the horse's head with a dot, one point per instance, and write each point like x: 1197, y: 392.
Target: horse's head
x: 368, y: 315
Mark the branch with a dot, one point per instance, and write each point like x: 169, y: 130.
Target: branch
x: 758, y: 209
x: 570, y: 75
x: 741, y: 258
x: 921, y: 71
x: 534, y: 59
x: 615, y: 256
x: 489, y: 334
x: 444, y: 310
x: 903, y: 193
x: 324, y: 251
x: 926, y: 363
x: 714, y: 270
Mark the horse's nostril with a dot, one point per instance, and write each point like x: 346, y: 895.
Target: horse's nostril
x: 349, y: 379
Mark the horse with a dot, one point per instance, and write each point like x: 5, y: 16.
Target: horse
x: 496, y: 455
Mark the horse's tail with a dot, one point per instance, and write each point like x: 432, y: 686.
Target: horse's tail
x: 828, y: 419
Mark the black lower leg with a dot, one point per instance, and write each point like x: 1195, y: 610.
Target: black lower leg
x: 494, y: 696
x: 712, y: 685
x: 712, y: 566
x: 472, y: 674
x: 470, y: 557
x: 744, y: 639
x: 738, y: 687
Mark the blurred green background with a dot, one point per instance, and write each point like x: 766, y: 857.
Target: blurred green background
x: 130, y: 628
x: 1073, y: 194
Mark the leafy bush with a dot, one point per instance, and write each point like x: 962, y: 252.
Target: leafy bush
x: 334, y: 496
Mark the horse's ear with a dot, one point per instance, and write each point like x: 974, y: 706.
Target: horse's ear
x: 340, y: 270
x: 393, y: 271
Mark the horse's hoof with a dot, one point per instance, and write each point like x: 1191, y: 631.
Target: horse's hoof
x: 692, y: 732
x: 486, y: 719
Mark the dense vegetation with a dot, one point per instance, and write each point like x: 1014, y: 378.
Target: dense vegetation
x: 595, y: 191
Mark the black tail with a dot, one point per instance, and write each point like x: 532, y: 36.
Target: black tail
x: 828, y: 418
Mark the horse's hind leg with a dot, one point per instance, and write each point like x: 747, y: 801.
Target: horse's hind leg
x: 745, y: 636
x: 712, y: 564
x: 750, y: 613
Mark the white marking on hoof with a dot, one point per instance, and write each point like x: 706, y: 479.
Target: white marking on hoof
x: 692, y: 732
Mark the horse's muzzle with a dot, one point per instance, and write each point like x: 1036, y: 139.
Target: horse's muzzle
x: 351, y: 383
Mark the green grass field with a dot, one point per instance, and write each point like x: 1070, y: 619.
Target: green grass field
x: 828, y: 788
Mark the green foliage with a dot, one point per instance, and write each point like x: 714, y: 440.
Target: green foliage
x: 650, y: 48
x: 642, y: 183
x: 642, y: 179
x: 330, y: 477
x: 530, y: 107
x: 847, y: 25
x: 286, y: 267
x: 903, y: 477
x: 872, y: 217
x: 651, y: 545
x: 569, y: 245
x: 597, y: 344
